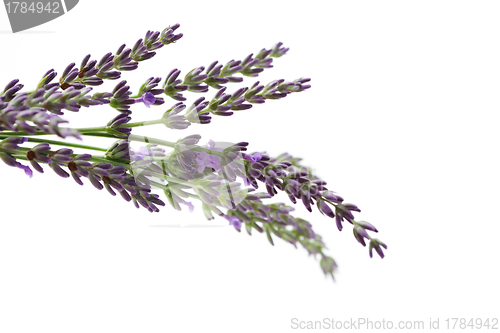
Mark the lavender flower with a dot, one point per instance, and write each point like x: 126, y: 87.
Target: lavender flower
x: 105, y: 66
x: 221, y: 175
x: 46, y: 81
x: 140, y: 51
x: 232, y: 67
x: 176, y: 195
x: 325, y: 208
x: 360, y: 234
x: 367, y: 226
x: 195, y: 114
x: 123, y: 61
x: 8, y: 159
x: 116, y: 125
x: 328, y: 265
x: 172, y: 119
x: 194, y: 78
x: 150, y: 87
x: 167, y: 35
x: 35, y: 155
x: 121, y: 100
x: 148, y: 99
x: 256, y: 157
x: 214, y: 78
x: 172, y: 86
x: 119, y: 150
x: 206, y: 160
x: 208, y: 210
x: 79, y: 167
x: 87, y: 72
x: 12, y: 143
x: 377, y: 244
x: 26, y: 169
x: 234, y: 221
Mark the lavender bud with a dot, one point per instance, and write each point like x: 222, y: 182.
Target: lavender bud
x: 338, y: 221
x: 325, y: 209
x: 12, y: 143
x: 328, y: 265
x: 84, y: 62
x: 360, y: 234
x: 8, y: 159
x: 10, y: 93
x: 68, y: 69
x: 94, y: 181
x: 278, y: 51
x: 58, y: 170
x: 119, y: 120
x: 36, y: 166
x: 367, y: 226
x: 167, y: 36
x: 190, y: 140
x: 10, y: 85
x: 61, y: 155
x: 332, y: 197
x: 377, y: 244
x: 352, y: 207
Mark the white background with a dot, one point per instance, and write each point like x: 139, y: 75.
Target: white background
x: 402, y: 120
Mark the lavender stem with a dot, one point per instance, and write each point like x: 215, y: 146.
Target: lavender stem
x: 61, y: 143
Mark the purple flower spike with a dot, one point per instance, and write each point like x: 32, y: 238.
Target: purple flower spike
x: 148, y: 99
x: 234, y: 221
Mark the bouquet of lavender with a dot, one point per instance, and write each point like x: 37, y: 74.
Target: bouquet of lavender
x: 223, y: 176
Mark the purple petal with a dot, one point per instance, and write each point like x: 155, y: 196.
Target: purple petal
x: 256, y: 157
x: 234, y: 221
x: 148, y: 99
x: 190, y: 206
x: 26, y: 169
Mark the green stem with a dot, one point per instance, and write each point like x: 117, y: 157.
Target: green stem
x: 6, y: 134
x: 21, y: 157
x: 60, y: 143
x: 103, y: 128
x: 114, y: 162
x: 102, y: 135
x: 159, y: 185
x: 145, y: 123
x: 95, y: 131
x: 91, y: 129
x: 67, y: 144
